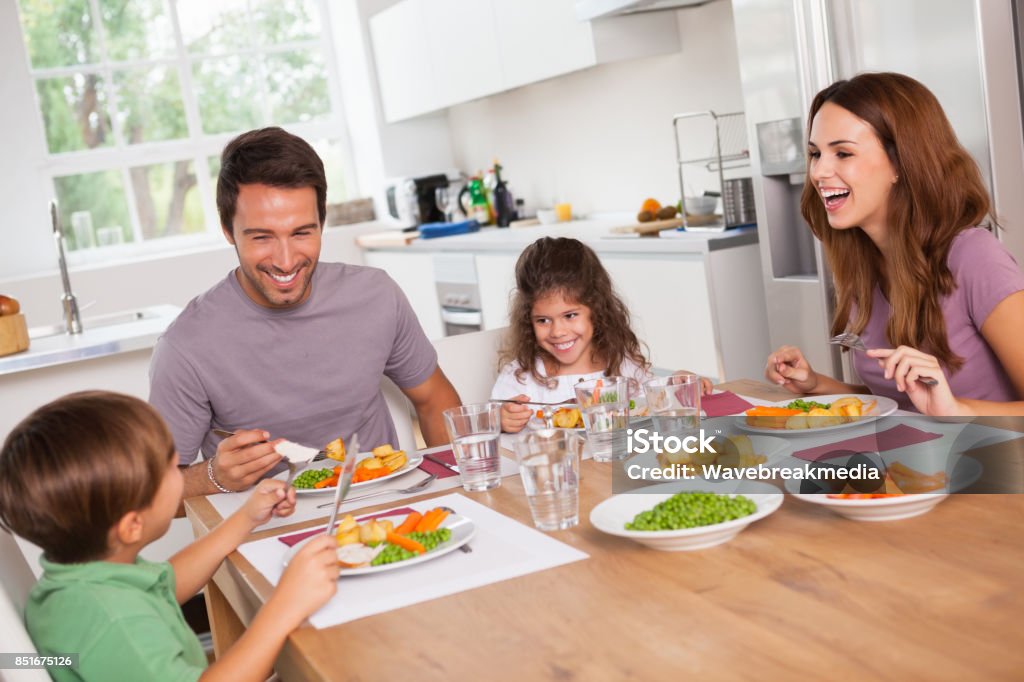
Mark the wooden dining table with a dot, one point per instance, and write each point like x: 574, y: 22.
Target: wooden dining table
x: 803, y: 593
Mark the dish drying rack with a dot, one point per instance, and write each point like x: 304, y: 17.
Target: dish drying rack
x: 729, y: 150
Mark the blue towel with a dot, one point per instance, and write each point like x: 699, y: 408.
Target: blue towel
x: 434, y: 230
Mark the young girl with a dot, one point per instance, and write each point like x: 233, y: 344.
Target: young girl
x: 92, y: 478
x: 567, y: 325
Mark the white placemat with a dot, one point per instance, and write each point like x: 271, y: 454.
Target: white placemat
x: 502, y: 548
x: 306, y: 505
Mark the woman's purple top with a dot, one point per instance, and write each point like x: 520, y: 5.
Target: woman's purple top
x: 985, y: 274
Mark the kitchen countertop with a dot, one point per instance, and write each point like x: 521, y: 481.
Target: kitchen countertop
x: 594, y: 233
x: 101, y: 336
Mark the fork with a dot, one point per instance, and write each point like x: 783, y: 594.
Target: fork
x: 854, y: 342
x: 403, y: 491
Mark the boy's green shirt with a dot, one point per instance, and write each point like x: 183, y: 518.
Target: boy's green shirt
x: 122, y: 619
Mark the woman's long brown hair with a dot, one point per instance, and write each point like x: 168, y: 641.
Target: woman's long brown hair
x: 568, y: 267
x: 938, y: 194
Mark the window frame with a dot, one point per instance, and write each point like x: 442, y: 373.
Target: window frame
x: 198, y: 146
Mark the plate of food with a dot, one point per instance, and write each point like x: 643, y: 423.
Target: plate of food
x: 695, y: 518
x: 816, y: 414
x: 569, y: 416
x: 733, y: 451
x: 904, y: 492
x: 382, y: 464
x: 385, y: 543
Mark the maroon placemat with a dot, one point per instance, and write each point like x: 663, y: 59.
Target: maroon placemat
x: 446, y: 456
x: 722, y: 404
x: 296, y: 538
x: 896, y: 437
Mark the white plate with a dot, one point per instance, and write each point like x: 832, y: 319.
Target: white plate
x: 773, y: 448
x: 414, y: 460
x: 883, y: 407
x: 462, y: 528
x: 967, y: 471
x: 612, y: 515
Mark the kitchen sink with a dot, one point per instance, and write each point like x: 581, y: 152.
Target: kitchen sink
x: 99, y: 321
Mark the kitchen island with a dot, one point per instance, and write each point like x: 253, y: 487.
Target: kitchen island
x: 697, y: 299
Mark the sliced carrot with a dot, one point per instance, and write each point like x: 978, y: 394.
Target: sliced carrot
x: 540, y: 414
x: 434, y: 522
x: 409, y: 525
x: 369, y: 474
x: 405, y: 543
x: 426, y: 520
x: 765, y: 411
x: 326, y: 483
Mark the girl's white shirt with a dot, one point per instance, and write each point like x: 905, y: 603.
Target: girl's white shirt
x: 561, y: 388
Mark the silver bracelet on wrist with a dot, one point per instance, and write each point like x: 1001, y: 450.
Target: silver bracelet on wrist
x: 213, y: 479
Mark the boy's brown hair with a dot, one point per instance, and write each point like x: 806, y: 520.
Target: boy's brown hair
x: 71, y: 469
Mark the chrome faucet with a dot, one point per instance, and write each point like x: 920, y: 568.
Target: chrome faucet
x: 72, y: 320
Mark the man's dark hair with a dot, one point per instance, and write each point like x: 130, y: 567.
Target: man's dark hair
x: 268, y: 156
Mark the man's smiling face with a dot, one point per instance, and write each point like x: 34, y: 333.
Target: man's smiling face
x: 276, y: 234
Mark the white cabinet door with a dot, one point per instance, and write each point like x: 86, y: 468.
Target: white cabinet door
x: 670, y: 307
x: 414, y: 273
x: 402, y: 52
x: 463, y: 50
x: 539, y: 39
x: 496, y: 277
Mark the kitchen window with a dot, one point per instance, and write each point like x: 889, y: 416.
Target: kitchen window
x: 138, y: 97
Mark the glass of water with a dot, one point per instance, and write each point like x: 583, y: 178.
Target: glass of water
x: 474, y: 430
x: 605, y: 406
x: 549, y: 464
x: 674, y: 403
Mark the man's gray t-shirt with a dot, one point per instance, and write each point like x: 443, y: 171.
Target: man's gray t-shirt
x: 309, y: 374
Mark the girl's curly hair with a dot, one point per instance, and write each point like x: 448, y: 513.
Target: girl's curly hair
x: 572, y: 269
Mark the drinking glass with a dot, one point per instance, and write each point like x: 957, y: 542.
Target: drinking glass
x: 109, y: 236
x: 674, y: 404
x: 549, y: 464
x: 81, y: 227
x: 605, y: 406
x: 443, y: 200
x: 474, y: 430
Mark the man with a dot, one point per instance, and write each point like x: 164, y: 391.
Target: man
x: 285, y: 347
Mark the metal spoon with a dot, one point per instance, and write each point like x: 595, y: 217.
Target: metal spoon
x: 854, y: 342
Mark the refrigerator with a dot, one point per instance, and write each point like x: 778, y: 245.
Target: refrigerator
x: 965, y: 51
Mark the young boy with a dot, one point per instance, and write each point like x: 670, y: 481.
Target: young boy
x: 92, y: 478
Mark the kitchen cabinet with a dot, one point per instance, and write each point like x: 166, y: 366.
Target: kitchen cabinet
x: 432, y: 54
x: 496, y: 278
x: 414, y: 274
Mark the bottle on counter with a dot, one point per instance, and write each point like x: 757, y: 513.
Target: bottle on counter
x: 504, y: 204
x: 478, y: 206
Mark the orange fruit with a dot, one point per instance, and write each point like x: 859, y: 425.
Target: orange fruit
x: 651, y: 205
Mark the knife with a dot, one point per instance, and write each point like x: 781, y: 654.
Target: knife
x: 435, y: 460
x: 344, y: 482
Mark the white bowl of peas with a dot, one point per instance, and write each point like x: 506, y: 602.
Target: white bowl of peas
x: 687, y: 520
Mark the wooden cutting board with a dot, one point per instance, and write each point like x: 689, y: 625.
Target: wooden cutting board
x: 13, y: 334
x: 390, y: 238
x: 653, y: 227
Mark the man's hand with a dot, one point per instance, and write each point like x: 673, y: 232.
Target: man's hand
x: 242, y: 459
x: 515, y: 415
x: 787, y: 367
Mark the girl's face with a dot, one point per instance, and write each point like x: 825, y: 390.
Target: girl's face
x: 564, y: 329
x: 851, y: 171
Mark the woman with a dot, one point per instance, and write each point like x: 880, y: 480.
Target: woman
x: 896, y: 201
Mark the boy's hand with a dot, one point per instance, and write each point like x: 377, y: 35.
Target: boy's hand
x: 310, y: 580
x: 243, y: 458
x: 706, y: 386
x: 515, y: 415
x: 269, y: 498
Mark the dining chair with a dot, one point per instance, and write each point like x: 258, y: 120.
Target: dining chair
x: 16, y: 579
x: 470, y: 361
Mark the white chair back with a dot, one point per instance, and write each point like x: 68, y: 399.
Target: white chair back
x: 16, y: 579
x: 470, y: 361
